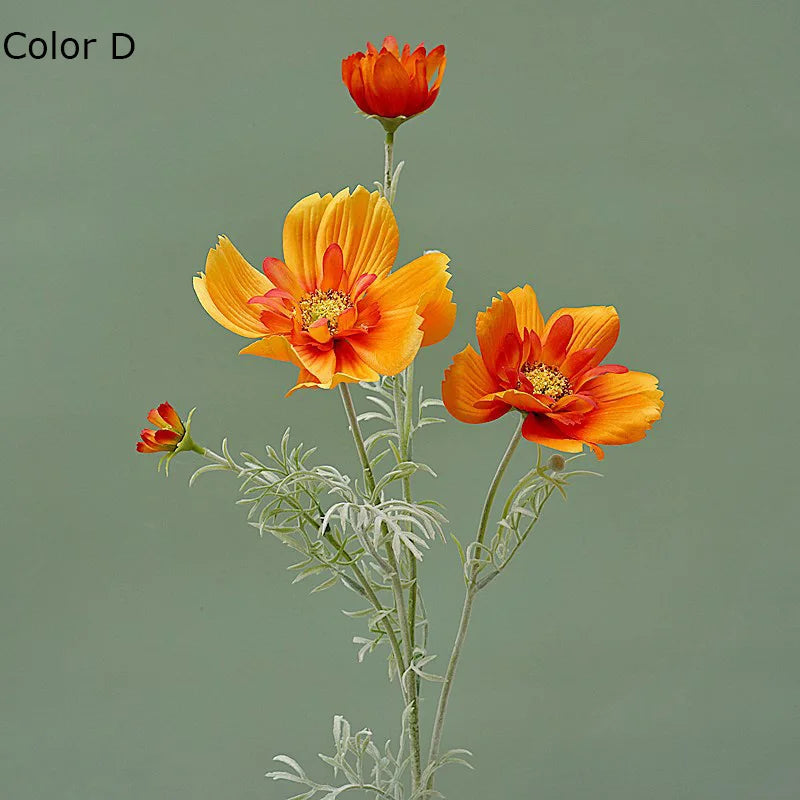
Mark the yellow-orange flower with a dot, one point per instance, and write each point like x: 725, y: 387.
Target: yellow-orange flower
x: 552, y: 373
x: 390, y: 84
x: 332, y: 307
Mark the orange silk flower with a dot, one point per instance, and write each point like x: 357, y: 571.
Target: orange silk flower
x: 169, y: 434
x: 332, y: 307
x: 391, y: 84
x: 552, y: 373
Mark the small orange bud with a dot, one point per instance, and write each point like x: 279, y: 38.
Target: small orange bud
x: 392, y: 85
x: 172, y: 436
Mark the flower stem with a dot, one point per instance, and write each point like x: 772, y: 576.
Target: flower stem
x: 469, y: 598
x: 352, y: 418
x: 388, y: 164
x: 403, y: 407
x: 408, y: 681
x: 407, y: 621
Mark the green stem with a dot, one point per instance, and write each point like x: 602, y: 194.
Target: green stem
x: 355, y: 429
x: 466, y: 612
x: 388, y: 164
x: 408, y: 682
x: 413, y: 589
x: 361, y: 578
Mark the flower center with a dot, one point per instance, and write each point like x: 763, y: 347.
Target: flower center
x: 329, y: 304
x: 546, y: 380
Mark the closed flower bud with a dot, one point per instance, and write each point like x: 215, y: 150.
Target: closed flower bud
x: 170, y: 437
x: 392, y: 85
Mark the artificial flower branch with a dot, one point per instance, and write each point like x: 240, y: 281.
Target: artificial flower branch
x: 337, y: 309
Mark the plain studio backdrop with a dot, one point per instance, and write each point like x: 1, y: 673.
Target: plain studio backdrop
x: 642, y: 154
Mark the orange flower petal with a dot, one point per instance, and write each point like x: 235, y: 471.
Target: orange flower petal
x: 594, y: 326
x: 628, y: 405
x: 300, y: 235
x: 350, y: 367
x: 156, y: 419
x: 554, y: 346
x: 319, y: 361
x: 466, y: 382
x: 603, y: 369
x: 169, y: 438
x: 354, y: 80
x: 141, y: 447
x: 526, y: 306
x: 422, y: 281
x: 492, y: 327
x: 390, y: 346
x: 149, y: 437
x: 390, y: 44
x: 319, y: 331
x: 275, y: 347
x: 332, y: 268
x: 540, y: 429
x: 347, y: 319
x: 436, y: 62
x: 363, y: 225
x: 171, y: 418
x: 362, y: 283
x: 576, y: 362
x: 524, y: 401
x: 284, y: 279
x: 226, y: 286
x: 388, y: 90
x: 305, y: 380
x: 575, y: 403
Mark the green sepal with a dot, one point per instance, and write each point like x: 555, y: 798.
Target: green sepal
x: 186, y: 443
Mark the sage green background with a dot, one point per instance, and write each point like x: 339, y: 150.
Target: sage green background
x: 645, y: 154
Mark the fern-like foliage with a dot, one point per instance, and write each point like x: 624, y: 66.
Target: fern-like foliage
x: 521, y: 513
x: 378, y: 772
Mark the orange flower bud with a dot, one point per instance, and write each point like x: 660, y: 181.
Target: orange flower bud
x: 170, y: 438
x: 392, y: 85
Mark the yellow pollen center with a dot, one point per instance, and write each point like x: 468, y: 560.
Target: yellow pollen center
x: 329, y: 304
x: 546, y: 380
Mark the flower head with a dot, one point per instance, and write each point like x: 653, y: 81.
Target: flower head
x: 391, y: 85
x: 170, y: 438
x: 332, y: 307
x: 552, y: 373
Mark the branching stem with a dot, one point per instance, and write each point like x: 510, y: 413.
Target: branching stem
x: 361, y: 579
x: 408, y: 683
x: 469, y: 598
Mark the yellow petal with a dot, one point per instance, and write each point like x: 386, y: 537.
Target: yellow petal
x: 391, y: 345
x: 422, y: 281
x: 300, y: 233
x: 363, y: 225
x: 226, y: 286
x: 275, y: 347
